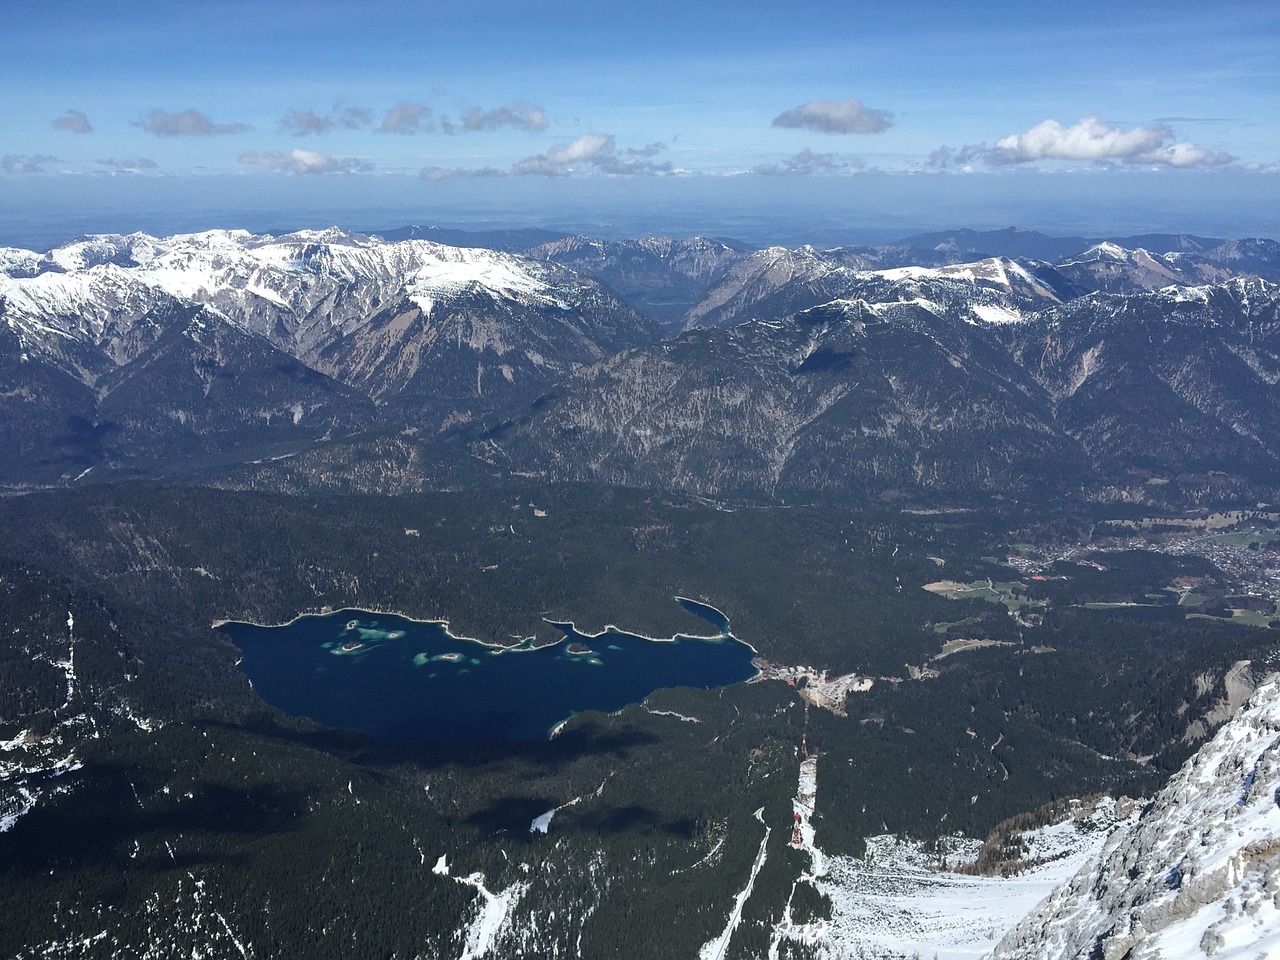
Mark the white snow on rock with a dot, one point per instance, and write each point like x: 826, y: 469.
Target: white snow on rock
x: 1198, y: 875
x: 994, y: 313
x: 896, y: 901
x: 297, y: 290
x: 999, y: 273
x: 454, y: 270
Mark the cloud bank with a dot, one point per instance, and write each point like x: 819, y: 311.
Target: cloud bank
x: 850, y: 115
x: 298, y: 161
x: 134, y: 165
x: 410, y: 118
x: 73, y: 121
x: 1089, y: 140
x: 26, y: 162
x: 188, y: 123
x: 459, y: 173
x: 589, y: 154
x: 808, y: 163
x: 518, y: 116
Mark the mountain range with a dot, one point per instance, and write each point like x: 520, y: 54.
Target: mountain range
x: 801, y: 372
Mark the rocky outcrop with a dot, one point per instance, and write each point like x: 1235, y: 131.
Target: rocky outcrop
x: 1197, y: 876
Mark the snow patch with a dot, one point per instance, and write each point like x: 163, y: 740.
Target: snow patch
x: 994, y: 313
x: 495, y: 911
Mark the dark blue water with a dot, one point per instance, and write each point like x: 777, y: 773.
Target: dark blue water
x: 400, y: 679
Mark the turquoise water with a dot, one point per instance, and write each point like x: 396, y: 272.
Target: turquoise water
x: 400, y: 679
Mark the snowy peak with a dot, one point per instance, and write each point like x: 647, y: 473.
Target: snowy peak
x: 451, y: 272
x: 1034, y: 283
x: 299, y: 290
x: 96, y: 250
x: 1112, y: 268
x: 15, y: 262
x: 1196, y: 876
x: 1105, y: 251
x: 449, y: 330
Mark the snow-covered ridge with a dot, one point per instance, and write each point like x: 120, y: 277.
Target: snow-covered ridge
x: 187, y: 265
x: 451, y: 270
x: 79, y: 305
x: 999, y: 271
x: 298, y: 291
x: 1197, y: 876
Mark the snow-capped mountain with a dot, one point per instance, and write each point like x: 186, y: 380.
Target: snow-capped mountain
x: 301, y: 290
x: 1018, y: 278
x: 819, y: 370
x: 778, y: 281
x: 438, y: 332
x: 89, y: 322
x: 1196, y: 876
x: 913, y: 387
x: 1111, y: 268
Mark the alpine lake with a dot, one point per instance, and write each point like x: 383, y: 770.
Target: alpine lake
x: 399, y: 679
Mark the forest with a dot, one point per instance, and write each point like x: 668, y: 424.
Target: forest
x: 196, y: 798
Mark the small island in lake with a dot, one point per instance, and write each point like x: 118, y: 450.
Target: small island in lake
x: 577, y: 648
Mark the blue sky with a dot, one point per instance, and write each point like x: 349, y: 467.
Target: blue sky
x: 467, y: 110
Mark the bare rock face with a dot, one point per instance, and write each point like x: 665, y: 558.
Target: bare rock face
x: 805, y: 373
x: 1197, y: 876
x: 662, y: 276
x: 909, y: 389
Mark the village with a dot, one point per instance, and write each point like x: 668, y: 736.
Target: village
x: 815, y: 686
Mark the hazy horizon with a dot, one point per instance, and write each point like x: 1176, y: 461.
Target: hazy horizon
x: 752, y: 209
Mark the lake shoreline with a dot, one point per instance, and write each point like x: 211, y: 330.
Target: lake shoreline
x: 524, y: 646
x: 398, y: 677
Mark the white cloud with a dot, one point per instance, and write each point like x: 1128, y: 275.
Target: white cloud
x: 586, y: 147
x: 1089, y: 140
x: 1185, y: 155
x: 187, y: 123
x: 595, y: 153
x: 73, y: 121
x: 850, y: 115
x: 300, y: 161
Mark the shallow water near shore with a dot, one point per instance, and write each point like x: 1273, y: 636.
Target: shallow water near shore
x: 399, y: 679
